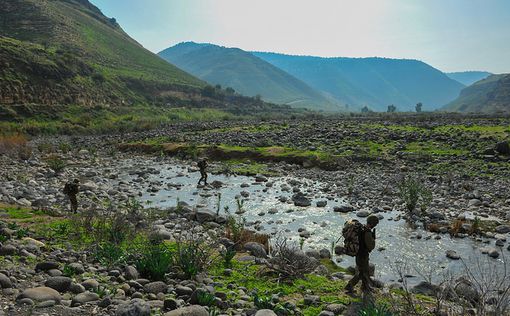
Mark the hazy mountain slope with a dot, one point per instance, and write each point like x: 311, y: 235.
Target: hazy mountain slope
x: 68, y: 52
x: 376, y: 82
x: 467, y: 78
x: 247, y: 74
x: 488, y: 95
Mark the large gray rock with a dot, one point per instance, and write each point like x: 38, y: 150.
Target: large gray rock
x: 452, y: 254
x: 135, y: 307
x: 300, y: 199
x: 131, y: 273
x: 41, y: 294
x: 425, y: 288
x: 193, y: 310
x: 156, y: 287
x: 83, y: 298
x: 7, y: 250
x: 59, y: 283
x: 503, y: 148
x: 265, y: 312
x: 204, y: 216
x: 503, y: 229
x: 5, y: 282
x: 46, y: 266
x: 255, y: 249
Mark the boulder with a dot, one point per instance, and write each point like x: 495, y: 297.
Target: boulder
x: 503, y: 148
x: 255, y: 249
x: 83, y: 298
x: 301, y: 200
x: 193, y: 310
x: 40, y: 294
x: 5, y: 282
x: 265, y: 312
x: 46, y: 266
x: 59, y: 283
x: 135, y: 307
x: 156, y: 287
x: 503, y: 229
x: 344, y: 209
x: 204, y: 216
x: 425, y: 288
x: 452, y: 254
x: 131, y: 273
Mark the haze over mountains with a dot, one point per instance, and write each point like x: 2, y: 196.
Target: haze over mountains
x: 376, y: 82
x: 247, y: 74
x: 298, y: 80
x: 467, y: 78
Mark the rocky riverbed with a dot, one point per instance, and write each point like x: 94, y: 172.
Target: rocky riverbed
x: 305, y: 204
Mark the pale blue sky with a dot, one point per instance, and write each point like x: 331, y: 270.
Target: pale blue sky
x: 452, y: 35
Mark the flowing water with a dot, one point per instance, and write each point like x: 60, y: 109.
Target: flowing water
x: 400, y: 242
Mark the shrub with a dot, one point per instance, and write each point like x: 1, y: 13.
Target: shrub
x: 55, y: 163
x: 262, y: 302
x: 288, y: 261
x: 69, y: 271
x: 21, y: 232
x: 154, y: 261
x: 16, y: 146
x: 193, y: 255
x: 410, y: 190
x: 109, y: 254
x: 375, y: 310
x: 205, y: 298
x: 227, y: 255
x: 64, y: 147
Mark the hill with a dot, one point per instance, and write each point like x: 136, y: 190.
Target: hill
x: 376, y: 82
x: 488, y: 95
x: 467, y: 78
x: 68, y: 52
x: 247, y: 74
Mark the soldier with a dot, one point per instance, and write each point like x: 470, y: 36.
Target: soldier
x: 202, y: 164
x: 366, y: 245
x: 71, y: 189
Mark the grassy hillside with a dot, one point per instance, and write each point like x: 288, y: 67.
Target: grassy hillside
x: 68, y: 52
x: 488, y: 95
x: 376, y: 82
x: 247, y: 74
x: 467, y: 78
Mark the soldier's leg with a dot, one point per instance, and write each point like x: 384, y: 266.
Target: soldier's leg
x: 366, y: 283
x: 74, y: 203
x: 352, y: 282
x: 205, y: 178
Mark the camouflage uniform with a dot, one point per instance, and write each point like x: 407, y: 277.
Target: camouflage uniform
x: 71, y: 189
x: 366, y: 245
x: 202, y: 164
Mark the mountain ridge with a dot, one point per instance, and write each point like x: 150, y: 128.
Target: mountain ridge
x: 247, y: 74
x: 369, y: 80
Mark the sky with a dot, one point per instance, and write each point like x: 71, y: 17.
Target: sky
x: 451, y: 35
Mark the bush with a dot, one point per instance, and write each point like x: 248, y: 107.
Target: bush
x: 154, y: 261
x: 205, y: 298
x: 375, y: 310
x: 288, y: 261
x: 411, y: 190
x: 15, y: 146
x: 193, y: 255
x: 55, y: 163
x: 109, y: 254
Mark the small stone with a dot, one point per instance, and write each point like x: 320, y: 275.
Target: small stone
x: 156, y: 287
x: 193, y: 310
x: 5, y: 282
x: 59, y: 283
x: 452, y: 254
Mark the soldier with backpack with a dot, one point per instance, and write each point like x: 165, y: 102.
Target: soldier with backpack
x: 202, y: 165
x: 359, y: 241
x: 71, y: 189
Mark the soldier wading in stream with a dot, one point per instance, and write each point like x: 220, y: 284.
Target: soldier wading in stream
x: 71, y: 189
x: 202, y: 165
x: 359, y: 241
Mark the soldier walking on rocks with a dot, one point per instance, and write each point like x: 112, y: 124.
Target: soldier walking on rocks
x: 71, y: 189
x: 366, y: 245
x: 202, y: 165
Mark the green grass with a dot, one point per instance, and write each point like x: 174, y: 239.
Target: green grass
x: 433, y: 149
x: 21, y: 213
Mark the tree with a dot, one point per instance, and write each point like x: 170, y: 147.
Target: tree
x: 418, y: 107
x: 365, y: 109
x: 218, y: 87
x: 208, y: 91
x: 391, y: 108
x: 230, y: 90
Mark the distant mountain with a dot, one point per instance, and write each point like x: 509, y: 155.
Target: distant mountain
x: 376, y: 82
x: 489, y: 95
x: 467, y: 78
x: 61, y: 52
x: 247, y: 74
